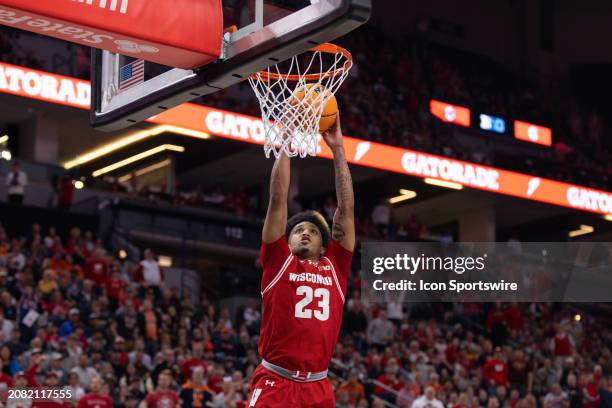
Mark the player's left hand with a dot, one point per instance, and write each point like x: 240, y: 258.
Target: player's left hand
x: 333, y: 136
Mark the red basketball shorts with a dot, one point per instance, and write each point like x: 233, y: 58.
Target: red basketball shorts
x: 270, y: 390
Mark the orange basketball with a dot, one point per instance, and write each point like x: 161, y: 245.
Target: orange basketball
x: 330, y: 110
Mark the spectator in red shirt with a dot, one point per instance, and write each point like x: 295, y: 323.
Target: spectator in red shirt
x: 239, y: 201
x: 451, y: 352
x: 96, y: 268
x: 434, y: 381
x: 6, y: 381
x: 462, y: 401
x: 514, y: 317
x: 196, y: 360
x: 95, y: 398
x: 390, y: 380
x: 215, y: 379
x: 496, y: 316
x: 119, y: 348
x: 66, y: 192
x: 127, y: 298
x: 21, y: 380
x: 75, y: 240
x: 114, y: 285
x: 495, y: 370
x: 164, y: 396
x: 590, y: 392
x: 562, y: 344
x: 598, y: 375
x: 52, y: 382
x: 36, y: 359
x: 414, y: 228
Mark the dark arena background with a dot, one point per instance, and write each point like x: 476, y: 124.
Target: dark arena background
x: 129, y: 259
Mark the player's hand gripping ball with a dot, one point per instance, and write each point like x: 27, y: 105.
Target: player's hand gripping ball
x: 311, y: 96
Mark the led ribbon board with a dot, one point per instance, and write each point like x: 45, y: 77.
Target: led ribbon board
x: 204, y: 120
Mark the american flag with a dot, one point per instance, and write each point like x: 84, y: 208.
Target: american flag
x: 131, y: 74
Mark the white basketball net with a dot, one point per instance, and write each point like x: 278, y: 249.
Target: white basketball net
x: 291, y: 124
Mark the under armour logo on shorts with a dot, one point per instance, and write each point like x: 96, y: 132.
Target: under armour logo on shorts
x: 270, y: 383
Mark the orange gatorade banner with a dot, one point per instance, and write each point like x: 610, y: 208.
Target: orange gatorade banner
x: 68, y: 91
x: 377, y: 155
x: 178, y: 33
x: 44, y: 86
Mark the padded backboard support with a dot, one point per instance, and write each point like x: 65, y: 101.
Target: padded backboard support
x: 256, y: 46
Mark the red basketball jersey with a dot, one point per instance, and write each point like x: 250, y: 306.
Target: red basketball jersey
x: 302, y: 305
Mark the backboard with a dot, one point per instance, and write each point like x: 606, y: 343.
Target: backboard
x: 258, y: 33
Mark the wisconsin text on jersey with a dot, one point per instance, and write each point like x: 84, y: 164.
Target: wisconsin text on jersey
x: 310, y: 277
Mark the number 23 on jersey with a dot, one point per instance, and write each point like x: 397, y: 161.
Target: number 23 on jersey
x: 304, y: 309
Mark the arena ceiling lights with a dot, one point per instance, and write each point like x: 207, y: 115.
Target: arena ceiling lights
x: 4, y: 153
x: 146, y: 170
x: 131, y: 139
x: 137, y: 157
x: 583, y: 230
x: 442, y: 183
x: 404, y: 195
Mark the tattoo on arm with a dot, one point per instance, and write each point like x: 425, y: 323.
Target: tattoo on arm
x: 343, y: 230
x: 338, y: 232
x: 344, y: 183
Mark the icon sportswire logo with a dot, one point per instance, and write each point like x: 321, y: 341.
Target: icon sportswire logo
x: 110, y: 5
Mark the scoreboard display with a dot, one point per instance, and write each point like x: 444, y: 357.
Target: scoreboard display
x: 462, y: 116
x: 492, y: 124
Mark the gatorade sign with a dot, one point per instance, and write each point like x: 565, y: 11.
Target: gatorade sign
x: 529, y: 132
x: 399, y: 160
x: 44, y: 86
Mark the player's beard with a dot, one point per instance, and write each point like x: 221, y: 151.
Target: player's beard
x: 303, y: 251
x: 306, y: 250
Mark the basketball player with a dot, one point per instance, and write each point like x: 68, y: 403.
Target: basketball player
x: 305, y: 271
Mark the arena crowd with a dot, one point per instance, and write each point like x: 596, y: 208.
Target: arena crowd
x: 74, y: 315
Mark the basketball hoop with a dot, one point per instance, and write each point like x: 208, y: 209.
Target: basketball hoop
x: 291, y: 123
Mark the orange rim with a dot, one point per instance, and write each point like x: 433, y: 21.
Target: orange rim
x: 325, y: 47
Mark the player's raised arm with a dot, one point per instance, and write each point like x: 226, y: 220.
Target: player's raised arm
x: 343, y: 230
x: 276, y: 217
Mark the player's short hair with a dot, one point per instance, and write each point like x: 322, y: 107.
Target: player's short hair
x: 314, y: 217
